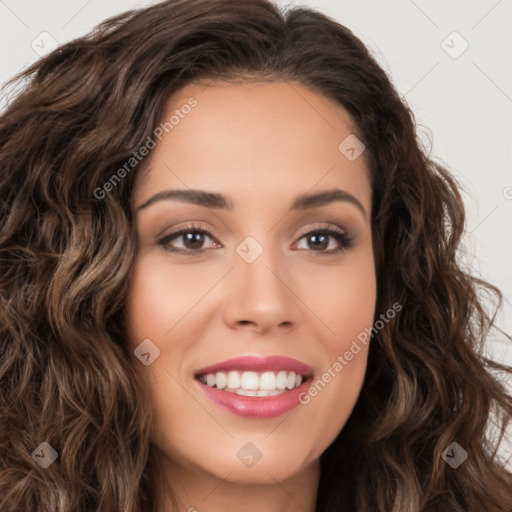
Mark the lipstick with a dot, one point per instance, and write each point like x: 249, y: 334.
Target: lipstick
x: 254, y: 386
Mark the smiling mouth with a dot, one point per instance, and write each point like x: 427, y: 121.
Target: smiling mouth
x: 248, y: 383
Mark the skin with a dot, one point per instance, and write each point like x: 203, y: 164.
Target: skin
x: 261, y: 145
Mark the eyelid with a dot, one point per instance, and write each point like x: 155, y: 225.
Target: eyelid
x: 322, y: 226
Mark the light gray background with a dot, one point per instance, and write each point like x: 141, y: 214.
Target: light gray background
x: 465, y: 100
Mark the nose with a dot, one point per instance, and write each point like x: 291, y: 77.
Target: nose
x: 260, y: 296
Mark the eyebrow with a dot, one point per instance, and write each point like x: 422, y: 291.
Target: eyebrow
x: 218, y: 201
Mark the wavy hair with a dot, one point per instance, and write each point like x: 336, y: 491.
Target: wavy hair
x: 66, y: 258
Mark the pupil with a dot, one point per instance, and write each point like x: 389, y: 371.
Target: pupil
x: 323, y: 244
x: 194, y: 239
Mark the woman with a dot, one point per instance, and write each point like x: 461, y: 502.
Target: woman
x: 230, y: 279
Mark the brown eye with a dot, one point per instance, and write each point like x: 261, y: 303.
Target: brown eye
x: 318, y: 241
x: 192, y: 240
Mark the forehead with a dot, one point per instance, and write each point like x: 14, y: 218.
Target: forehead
x: 268, y: 137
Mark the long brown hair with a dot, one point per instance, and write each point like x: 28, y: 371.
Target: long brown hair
x: 66, y: 257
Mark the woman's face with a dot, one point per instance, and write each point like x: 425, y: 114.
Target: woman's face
x: 246, y: 281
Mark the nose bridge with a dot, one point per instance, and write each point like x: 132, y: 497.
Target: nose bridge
x: 261, y: 293
x: 259, y: 265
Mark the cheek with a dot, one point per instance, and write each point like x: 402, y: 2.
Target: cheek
x: 347, y: 309
x: 159, y: 297
x: 345, y: 302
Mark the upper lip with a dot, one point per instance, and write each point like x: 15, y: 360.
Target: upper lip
x: 258, y: 364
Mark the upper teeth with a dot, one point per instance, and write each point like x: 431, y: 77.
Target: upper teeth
x: 253, y: 383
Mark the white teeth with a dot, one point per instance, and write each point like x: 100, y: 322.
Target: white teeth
x: 282, y: 380
x: 246, y: 392
x: 233, y: 380
x: 221, y: 380
x: 252, y: 383
x: 268, y: 381
x: 250, y: 380
x: 291, y: 380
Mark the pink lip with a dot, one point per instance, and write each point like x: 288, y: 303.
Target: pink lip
x: 259, y: 364
x: 257, y: 406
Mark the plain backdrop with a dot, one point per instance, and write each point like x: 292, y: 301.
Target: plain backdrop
x: 450, y: 61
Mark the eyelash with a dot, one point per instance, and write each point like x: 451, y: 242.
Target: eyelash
x: 345, y: 241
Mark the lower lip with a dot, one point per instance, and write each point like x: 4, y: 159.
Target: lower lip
x: 256, y: 406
